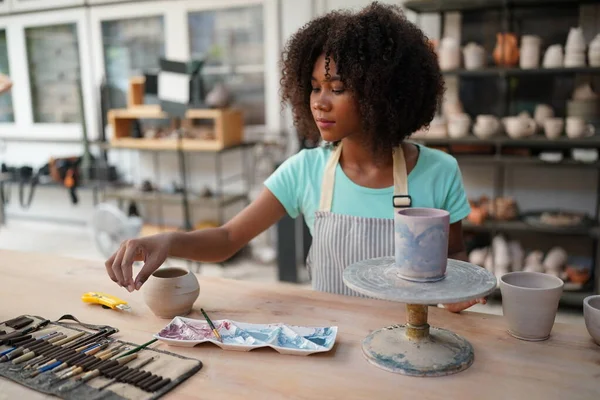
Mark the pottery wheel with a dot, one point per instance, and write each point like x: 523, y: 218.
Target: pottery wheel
x: 415, y: 348
x: 379, y: 278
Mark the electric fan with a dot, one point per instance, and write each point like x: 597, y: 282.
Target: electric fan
x: 111, y: 226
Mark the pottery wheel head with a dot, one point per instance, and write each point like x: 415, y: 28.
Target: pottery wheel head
x: 378, y: 278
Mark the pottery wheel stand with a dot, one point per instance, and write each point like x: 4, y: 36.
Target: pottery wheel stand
x: 416, y: 349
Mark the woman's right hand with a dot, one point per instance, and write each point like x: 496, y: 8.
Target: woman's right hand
x: 153, y: 250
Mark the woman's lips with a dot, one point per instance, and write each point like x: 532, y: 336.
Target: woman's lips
x: 325, y: 123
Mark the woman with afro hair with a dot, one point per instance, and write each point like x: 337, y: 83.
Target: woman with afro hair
x: 361, y: 83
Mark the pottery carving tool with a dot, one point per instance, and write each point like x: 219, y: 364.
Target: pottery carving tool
x: 67, y: 362
x: 19, y: 349
x: 46, y: 354
x: 17, y: 334
x: 32, y: 350
x: 97, y: 360
x: 105, y: 300
x: 212, y: 326
x: 58, y: 340
x: 55, y: 354
x: 98, y: 371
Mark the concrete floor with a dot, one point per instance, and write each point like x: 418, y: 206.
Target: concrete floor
x: 76, y: 241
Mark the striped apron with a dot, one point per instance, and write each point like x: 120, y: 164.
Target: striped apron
x: 342, y: 240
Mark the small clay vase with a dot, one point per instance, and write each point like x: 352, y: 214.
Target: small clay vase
x: 517, y: 255
x: 591, y: 315
x: 171, y: 292
x: 421, y: 243
x: 529, y: 303
x: 506, y: 52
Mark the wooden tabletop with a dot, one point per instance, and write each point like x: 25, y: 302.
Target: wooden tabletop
x: 565, y: 366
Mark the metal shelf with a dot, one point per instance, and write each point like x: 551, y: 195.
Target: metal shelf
x: 437, y: 6
x: 521, y: 161
x: 532, y: 141
x: 520, y: 226
x: 502, y: 72
x: 174, y: 198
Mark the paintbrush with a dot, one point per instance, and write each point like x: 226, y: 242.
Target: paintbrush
x: 136, y: 349
x: 212, y: 326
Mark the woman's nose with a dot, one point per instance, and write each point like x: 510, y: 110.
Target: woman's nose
x: 321, y: 104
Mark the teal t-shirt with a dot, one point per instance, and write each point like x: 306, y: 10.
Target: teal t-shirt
x: 434, y: 182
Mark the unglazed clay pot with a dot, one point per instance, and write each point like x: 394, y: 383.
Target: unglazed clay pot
x: 529, y: 303
x: 171, y: 292
x: 421, y: 243
x: 591, y: 314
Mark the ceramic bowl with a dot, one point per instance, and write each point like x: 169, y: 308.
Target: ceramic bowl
x: 529, y: 303
x: 591, y: 314
x: 171, y: 292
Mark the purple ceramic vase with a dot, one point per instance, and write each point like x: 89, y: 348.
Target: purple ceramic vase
x: 421, y: 243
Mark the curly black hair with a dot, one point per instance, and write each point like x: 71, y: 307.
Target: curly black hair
x: 386, y: 61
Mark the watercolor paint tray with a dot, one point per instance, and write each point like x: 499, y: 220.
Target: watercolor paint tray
x: 241, y: 336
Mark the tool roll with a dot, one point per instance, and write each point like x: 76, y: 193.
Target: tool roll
x: 74, y: 360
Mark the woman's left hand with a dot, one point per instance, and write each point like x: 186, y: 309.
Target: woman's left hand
x: 458, y: 307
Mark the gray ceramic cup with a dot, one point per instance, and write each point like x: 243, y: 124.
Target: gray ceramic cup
x: 421, y: 243
x: 591, y: 314
x: 529, y: 303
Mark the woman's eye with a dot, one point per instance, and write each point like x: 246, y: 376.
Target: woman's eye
x: 315, y: 90
x: 338, y: 91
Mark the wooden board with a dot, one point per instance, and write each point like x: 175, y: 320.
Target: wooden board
x: 567, y: 366
x: 189, y: 145
x: 148, y: 230
x: 227, y: 128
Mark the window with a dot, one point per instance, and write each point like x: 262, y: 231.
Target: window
x: 6, y: 106
x: 131, y: 47
x: 54, y: 73
x: 231, y: 40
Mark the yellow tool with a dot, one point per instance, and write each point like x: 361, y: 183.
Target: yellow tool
x: 105, y: 300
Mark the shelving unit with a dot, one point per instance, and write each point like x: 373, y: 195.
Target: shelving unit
x: 219, y: 200
x: 498, y: 152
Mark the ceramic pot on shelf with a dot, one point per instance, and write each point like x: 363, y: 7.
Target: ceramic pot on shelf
x: 553, y: 128
x: 553, y: 57
x: 449, y: 54
x: 458, y: 125
x: 506, y: 52
x: 594, y: 52
x: 577, y: 127
x: 474, y: 56
x: 171, y: 292
x: 575, y: 48
x: 486, y: 126
x: 520, y: 126
x: 530, y: 52
x: 542, y: 113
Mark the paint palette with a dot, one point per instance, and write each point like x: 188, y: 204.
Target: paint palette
x: 240, y: 336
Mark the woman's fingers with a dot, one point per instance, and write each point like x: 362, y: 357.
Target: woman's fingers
x: 153, y: 261
x: 458, y: 307
x: 116, y: 266
x: 133, y: 251
x: 109, y: 264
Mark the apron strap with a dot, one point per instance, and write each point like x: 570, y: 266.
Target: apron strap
x: 401, y: 197
x: 328, y: 179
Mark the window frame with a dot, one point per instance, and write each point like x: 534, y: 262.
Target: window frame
x: 24, y: 126
x: 40, y: 5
